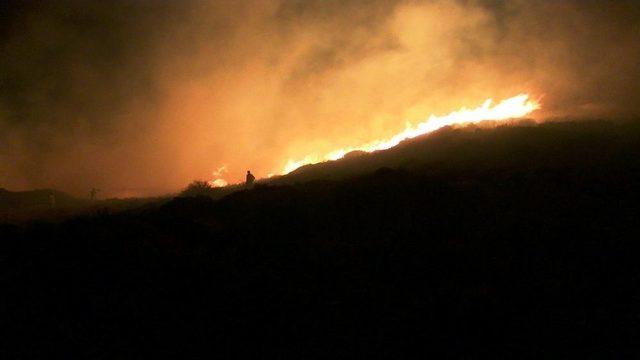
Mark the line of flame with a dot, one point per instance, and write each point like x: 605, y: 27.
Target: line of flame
x: 512, y: 108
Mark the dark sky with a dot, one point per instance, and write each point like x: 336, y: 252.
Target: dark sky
x: 142, y: 96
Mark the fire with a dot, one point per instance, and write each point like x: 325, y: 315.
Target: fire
x: 218, y: 183
x: 218, y: 173
x: 512, y: 108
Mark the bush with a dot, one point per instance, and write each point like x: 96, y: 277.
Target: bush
x: 198, y: 188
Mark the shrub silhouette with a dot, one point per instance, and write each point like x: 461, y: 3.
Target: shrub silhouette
x: 198, y: 188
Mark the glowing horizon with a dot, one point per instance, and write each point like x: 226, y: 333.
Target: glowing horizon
x: 511, y: 108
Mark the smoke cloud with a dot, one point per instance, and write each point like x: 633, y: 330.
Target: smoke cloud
x: 140, y: 97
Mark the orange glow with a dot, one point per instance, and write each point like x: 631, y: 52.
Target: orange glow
x: 218, y: 173
x: 218, y: 183
x: 512, y: 108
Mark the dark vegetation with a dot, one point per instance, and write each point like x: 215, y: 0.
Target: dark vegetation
x: 521, y: 242
x: 198, y: 188
x: 35, y: 199
x: 22, y: 206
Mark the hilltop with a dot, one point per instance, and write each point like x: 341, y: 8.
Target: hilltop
x: 517, y: 144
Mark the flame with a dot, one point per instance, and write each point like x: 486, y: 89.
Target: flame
x: 515, y: 107
x: 219, y: 181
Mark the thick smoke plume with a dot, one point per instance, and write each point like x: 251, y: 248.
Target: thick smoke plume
x: 140, y: 97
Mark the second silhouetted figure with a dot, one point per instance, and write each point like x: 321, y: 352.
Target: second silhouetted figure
x: 250, y: 180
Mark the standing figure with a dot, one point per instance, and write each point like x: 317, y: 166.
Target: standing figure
x: 92, y: 193
x: 250, y: 180
x: 52, y: 199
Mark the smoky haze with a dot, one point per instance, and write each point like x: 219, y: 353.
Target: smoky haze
x: 139, y: 97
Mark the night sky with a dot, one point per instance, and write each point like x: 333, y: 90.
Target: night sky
x: 142, y: 97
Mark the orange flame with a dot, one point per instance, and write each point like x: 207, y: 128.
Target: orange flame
x: 515, y: 107
x: 219, y: 181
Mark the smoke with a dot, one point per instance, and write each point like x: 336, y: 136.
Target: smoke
x: 141, y: 97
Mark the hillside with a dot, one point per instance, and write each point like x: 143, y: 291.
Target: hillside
x: 514, y: 242
x: 35, y: 199
x: 35, y: 205
x: 552, y: 144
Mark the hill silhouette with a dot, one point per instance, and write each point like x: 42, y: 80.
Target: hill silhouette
x: 35, y: 205
x: 35, y: 199
x: 516, y: 144
x: 518, y: 241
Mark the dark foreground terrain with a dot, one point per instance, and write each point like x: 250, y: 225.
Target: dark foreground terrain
x: 518, y: 242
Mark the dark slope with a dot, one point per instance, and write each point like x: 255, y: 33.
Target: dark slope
x: 35, y: 205
x: 553, y: 144
x: 35, y: 199
x: 519, y: 242
x: 21, y: 206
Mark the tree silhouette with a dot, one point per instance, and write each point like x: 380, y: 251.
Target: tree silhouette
x: 198, y: 188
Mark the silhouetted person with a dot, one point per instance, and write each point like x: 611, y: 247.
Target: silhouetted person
x: 250, y: 180
x: 92, y: 193
x: 52, y: 200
